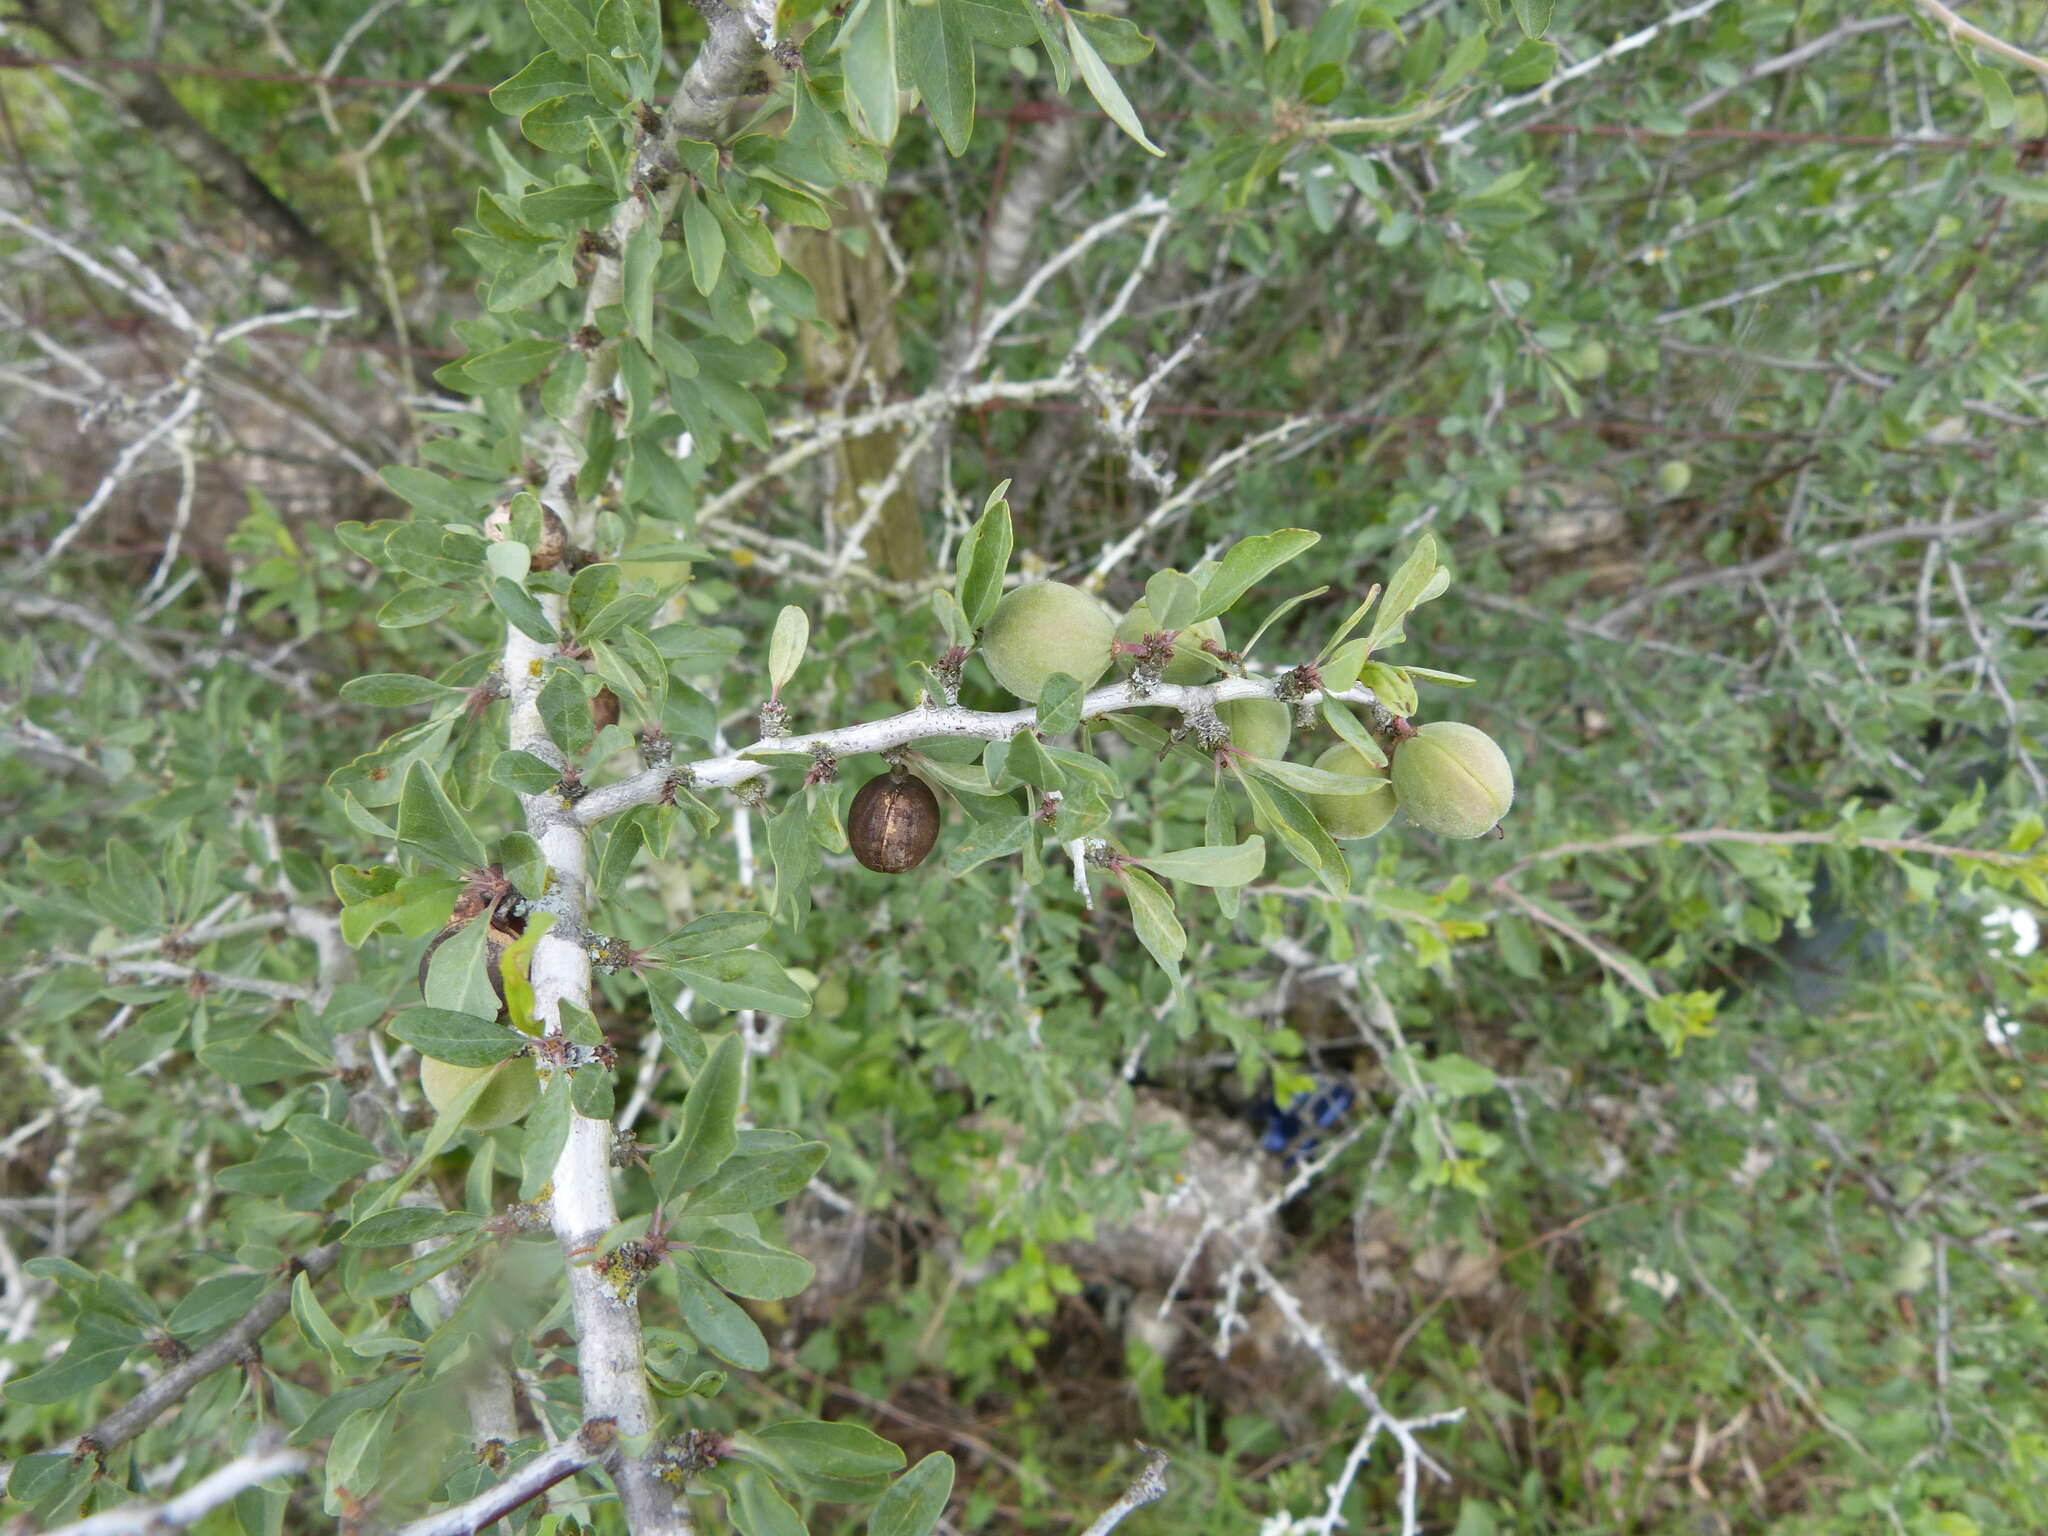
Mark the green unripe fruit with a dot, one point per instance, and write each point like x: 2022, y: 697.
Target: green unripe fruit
x: 513, y: 1088
x: 1673, y: 476
x: 1452, y: 779
x: 1044, y: 628
x: 1349, y: 816
x: 1591, y: 358
x: 1261, y: 727
x: 1187, y: 665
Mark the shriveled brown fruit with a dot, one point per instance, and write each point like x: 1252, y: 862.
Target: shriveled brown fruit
x: 892, y: 823
x: 604, y: 708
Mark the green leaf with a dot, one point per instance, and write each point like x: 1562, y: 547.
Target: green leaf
x: 705, y: 240
x: 435, y: 497
x: 1533, y: 16
x: 579, y: 202
x: 1103, y: 87
x: 1059, y: 705
x: 1117, y: 40
x: 1999, y: 106
x: 916, y: 1500
x: 1282, y: 813
x: 1172, y: 598
x: 867, y: 46
x: 994, y: 838
x: 706, y: 1137
x: 214, y: 1303
x: 786, y: 646
x: 460, y: 1039
x: 316, y: 1325
x: 1246, y: 564
x: 714, y: 933
x: 96, y: 1351
x: 746, y: 1266
x: 759, y: 1510
x: 625, y: 612
x: 827, y: 1460
x: 1239, y: 865
x: 564, y: 27
x: 332, y: 1151
x: 717, y: 1322
x: 458, y: 975
x: 1419, y: 580
x: 547, y: 78
x: 1345, y: 724
x: 269, y: 1056
x: 564, y: 707
x: 521, y: 609
x: 1391, y: 687
x: 392, y: 690
x: 523, y: 773
x: 515, y: 363
x: 130, y: 894
x: 1153, y: 918
x: 1340, y: 672
x: 414, y: 606
x: 637, y: 263
x: 429, y: 823
x: 794, y: 853
x: 547, y: 1132
x: 1023, y: 761
x: 755, y: 1183
x: 1304, y: 780
x: 745, y: 978
x: 984, y: 559
x: 937, y: 53
x: 409, y: 1224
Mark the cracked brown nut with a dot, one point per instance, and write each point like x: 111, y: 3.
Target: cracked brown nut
x: 1261, y: 727
x: 1351, y: 816
x: 892, y: 823
x: 1044, y: 628
x: 1452, y: 779
x: 1187, y: 665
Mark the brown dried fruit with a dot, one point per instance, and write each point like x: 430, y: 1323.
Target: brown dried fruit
x: 893, y: 822
x: 604, y: 708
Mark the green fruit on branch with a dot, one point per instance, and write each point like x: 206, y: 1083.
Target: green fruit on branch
x: 1044, y: 628
x: 1187, y: 666
x: 1261, y: 727
x: 1452, y: 779
x: 1349, y: 816
x: 892, y: 823
x: 513, y: 1087
x: 1674, y: 477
